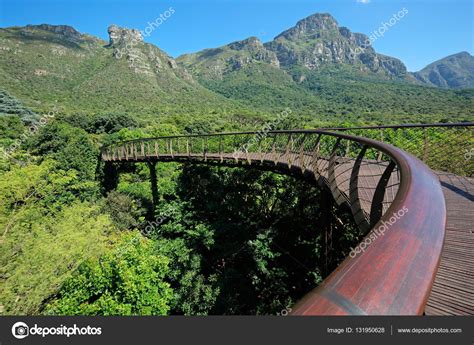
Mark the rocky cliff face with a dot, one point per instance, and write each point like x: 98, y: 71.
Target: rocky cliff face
x: 64, y: 30
x: 318, y: 40
x: 215, y: 63
x: 253, y: 50
x: 141, y: 57
x: 128, y: 44
x: 119, y: 36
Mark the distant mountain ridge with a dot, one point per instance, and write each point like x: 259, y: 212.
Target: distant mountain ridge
x: 318, y: 42
x: 454, y: 71
x: 313, y: 43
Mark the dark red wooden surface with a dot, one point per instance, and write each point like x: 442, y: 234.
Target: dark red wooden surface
x: 395, y: 274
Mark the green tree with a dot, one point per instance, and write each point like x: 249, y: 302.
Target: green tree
x: 70, y: 146
x: 129, y: 280
x: 111, y: 123
x: 39, y: 252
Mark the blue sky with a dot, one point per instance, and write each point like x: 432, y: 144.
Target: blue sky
x: 432, y: 29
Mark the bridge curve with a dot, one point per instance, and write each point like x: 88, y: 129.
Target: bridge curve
x: 395, y: 199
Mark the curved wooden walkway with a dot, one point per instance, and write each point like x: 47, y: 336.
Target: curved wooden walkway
x: 418, y: 266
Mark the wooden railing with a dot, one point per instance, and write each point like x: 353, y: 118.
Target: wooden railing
x: 396, y: 201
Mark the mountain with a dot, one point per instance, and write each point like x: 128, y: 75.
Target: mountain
x: 322, y: 69
x: 454, y: 71
x: 315, y: 42
x: 45, y: 64
x: 318, y: 40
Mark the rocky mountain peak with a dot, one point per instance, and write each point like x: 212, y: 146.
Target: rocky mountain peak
x: 251, y: 42
x: 314, y: 24
x: 318, y: 21
x: 463, y: 55
x: 454, y: 71
x: 143, y: 58
x: 318, y: 40
x: 64, y: 30
x: 460, y: 56
x: 119, y: 35
x: 251, y: 50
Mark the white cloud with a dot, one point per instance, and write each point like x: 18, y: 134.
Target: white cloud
x: 363, y: 1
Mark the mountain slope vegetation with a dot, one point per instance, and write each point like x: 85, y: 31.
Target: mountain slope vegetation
x: 43, y: 65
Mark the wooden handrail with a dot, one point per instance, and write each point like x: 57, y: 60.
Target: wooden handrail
x: 395, y: 274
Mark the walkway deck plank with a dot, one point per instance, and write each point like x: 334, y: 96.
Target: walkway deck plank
x: 453, y: 290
